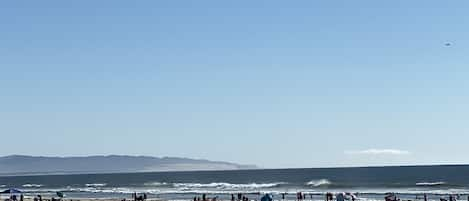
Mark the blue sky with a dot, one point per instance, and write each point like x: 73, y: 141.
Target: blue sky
x: 272, y: 83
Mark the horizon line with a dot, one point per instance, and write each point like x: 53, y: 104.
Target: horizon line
x: 257, y: 166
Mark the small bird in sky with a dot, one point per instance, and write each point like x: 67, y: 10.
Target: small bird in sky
x: 447, y: 44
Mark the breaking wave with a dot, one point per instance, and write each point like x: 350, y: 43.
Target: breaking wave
x: 155, y: 184
x: 32, y: 185
x: 222, y: 185
x: 96, y: 185
x: 320, y: 182
x: 439, y: 183
x: 183, y: 191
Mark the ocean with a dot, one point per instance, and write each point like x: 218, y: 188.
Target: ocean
x: 370, y: 183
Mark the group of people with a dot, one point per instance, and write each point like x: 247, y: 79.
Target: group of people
x: 299, y: 196
x: 36, y: 198
x: 137, y: 197
x: 241, y: 197
x: 393, y: 197
x: 15, y: 198
x: 451, y: 198
x: 204, y: 198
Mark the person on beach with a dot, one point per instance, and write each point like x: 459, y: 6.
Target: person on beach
x: 204, y: 197
x: 232, y: 197
x: 283, y: 196
x: 329, y: 196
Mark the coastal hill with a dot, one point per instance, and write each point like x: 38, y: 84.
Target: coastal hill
x: 19, y: 164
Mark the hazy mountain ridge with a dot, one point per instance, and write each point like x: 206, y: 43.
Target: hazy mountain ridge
x: 16, y: 164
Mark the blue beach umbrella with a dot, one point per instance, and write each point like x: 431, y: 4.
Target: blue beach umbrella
x: 11, y: 191
x: 266, y: 197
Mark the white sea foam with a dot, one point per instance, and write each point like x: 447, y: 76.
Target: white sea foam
x: 222, y: 185
x: 430, y: 183
x: 363, y: 193
x: 96, y: 185
x: 277, y: 188
x: 319, y: 182
x: 155, y: 183
x: 32, y: 185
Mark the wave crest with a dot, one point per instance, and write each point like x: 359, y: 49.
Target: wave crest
x: 155, y: 183
x: 96, y: 185
x: 222, y: 185
x: 438, y: 183
x: 32, y: 185
x: 319, y: 182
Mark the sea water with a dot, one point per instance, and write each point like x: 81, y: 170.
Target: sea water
x: 369, y: 183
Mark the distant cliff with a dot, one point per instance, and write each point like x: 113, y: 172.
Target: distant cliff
x: 18, y: 164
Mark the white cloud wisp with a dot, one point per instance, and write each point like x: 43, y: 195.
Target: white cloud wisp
x: 378, y: 152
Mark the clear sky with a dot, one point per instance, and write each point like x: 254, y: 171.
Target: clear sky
x: 271, y: 83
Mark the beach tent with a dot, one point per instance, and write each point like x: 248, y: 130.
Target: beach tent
x: 11, y: 191
x: 340, y: 197
x: 266, y: 197
x: 390, y: 197
x: 350, y: 196
x: 60, y: 194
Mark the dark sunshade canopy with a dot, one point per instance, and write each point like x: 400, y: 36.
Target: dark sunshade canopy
x: 60, y: 194
x: 11, y: 191
x: 266, y: 197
